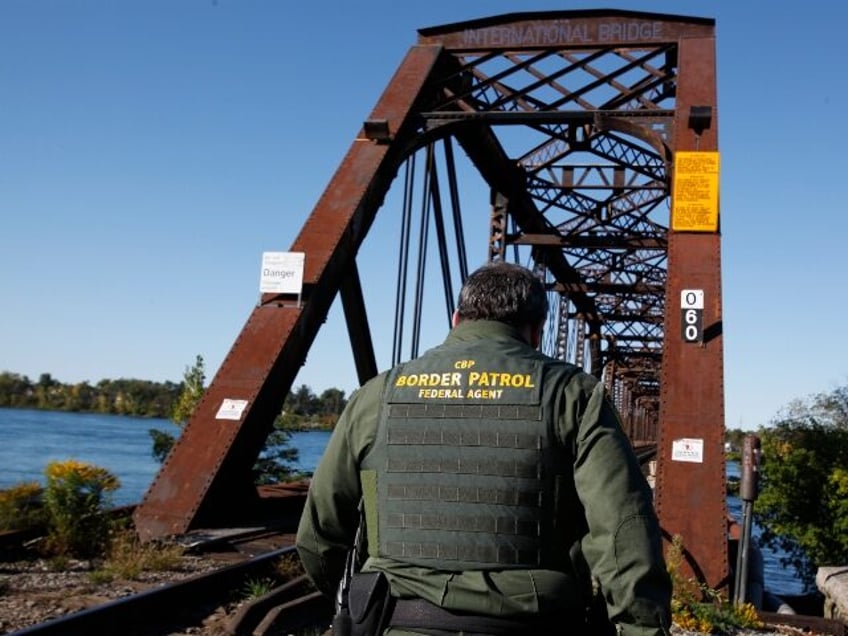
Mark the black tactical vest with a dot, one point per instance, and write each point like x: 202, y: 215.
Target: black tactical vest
x: 466, y: 461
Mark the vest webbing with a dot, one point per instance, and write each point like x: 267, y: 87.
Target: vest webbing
x: 466, y: 462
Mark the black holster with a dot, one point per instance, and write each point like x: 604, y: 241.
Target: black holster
x: 370, y: 603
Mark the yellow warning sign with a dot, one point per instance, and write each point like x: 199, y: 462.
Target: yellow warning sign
x: 694, y: 196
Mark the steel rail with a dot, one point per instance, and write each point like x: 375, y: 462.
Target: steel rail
x: 160, y: 610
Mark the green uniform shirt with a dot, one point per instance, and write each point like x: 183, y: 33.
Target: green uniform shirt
x: 620, y: 533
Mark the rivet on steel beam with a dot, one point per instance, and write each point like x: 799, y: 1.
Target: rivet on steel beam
x: 377, y: 130
x: 700, y: 118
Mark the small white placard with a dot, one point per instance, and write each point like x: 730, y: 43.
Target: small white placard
x: 692, y: 299
x: 282, y: 273
x: 688, y: 450
x: 231, y: 409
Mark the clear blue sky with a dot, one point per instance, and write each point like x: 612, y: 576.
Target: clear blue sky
x: 151, y: 150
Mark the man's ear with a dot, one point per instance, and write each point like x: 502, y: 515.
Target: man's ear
x: 455, y: 319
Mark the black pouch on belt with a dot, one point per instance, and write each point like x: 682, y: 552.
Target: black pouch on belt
x: 369, y: 600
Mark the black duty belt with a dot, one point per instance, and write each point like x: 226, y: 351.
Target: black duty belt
x: 426, y: 618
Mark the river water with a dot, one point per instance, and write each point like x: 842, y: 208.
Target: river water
x: 30, y: 439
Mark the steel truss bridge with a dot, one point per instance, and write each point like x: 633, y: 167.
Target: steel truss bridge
x: 585, y: 144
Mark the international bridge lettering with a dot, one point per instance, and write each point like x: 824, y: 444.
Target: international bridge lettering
x: 562, y: 32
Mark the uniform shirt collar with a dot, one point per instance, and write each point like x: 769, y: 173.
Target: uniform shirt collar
x: 483, y: 329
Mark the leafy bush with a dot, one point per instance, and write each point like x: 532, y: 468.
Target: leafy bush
x: 75, y: 497
x: 802, y: 506
x: 21, y: 507
x: 697, y: 608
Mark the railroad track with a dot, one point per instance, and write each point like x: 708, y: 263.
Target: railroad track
x: 177, y: 606
x: 289, y: 608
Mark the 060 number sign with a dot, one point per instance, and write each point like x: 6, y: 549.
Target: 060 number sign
x: 692, y: 308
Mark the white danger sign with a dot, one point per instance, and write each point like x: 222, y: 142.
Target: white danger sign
x: 282, y: 273
x: 688, y: 449
x: 231, y: 409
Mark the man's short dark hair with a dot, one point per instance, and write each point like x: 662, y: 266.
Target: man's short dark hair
x: 505, y: 292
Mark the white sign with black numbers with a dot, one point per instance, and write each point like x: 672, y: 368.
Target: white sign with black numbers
x: 692, y: 308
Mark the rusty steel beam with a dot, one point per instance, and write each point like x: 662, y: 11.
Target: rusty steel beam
x: 589, y: 242
x: 207, y: 476
x: 608, y: 288
x: 357, y: 320
x: 690, y: 495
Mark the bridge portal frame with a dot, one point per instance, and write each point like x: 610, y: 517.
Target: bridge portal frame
x: 207, y: 477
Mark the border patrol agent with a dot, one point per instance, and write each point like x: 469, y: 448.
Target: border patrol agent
x: 497, y: 487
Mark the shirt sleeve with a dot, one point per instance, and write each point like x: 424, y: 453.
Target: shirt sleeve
x: 330, y: 515
x: 623, y: 546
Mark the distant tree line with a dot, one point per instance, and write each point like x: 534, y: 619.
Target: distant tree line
x: 140, y: 398
x: 303, y: 409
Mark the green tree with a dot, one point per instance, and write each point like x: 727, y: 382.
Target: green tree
x: 194, y: 379
x: 276, y: 461
x: 46, y: 392
x: 191, y: 392
x: 332, y: 402
x: 302, y: 402
x: 802, y: 504
x: 15, y: 390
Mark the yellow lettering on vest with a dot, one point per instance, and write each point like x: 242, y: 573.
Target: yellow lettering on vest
x: 484, y: 394
x: 439, y: 394
x: 498, y: 378
x: 401, y: 380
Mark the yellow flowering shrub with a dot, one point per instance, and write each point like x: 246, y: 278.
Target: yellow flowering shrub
x: 76, y: 495
x: 696, y: 608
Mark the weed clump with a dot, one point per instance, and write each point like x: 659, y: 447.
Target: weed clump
x: 696, y: 607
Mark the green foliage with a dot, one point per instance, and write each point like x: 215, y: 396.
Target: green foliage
x: 274, y: 464
x: 254, y: 588
x: 163, y: 442
x: 75, y: 497
x: 138, y: 398
x: 191, y: 392
x: 302, y: 402
x: 21, y: 507
x: 802, y: 505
